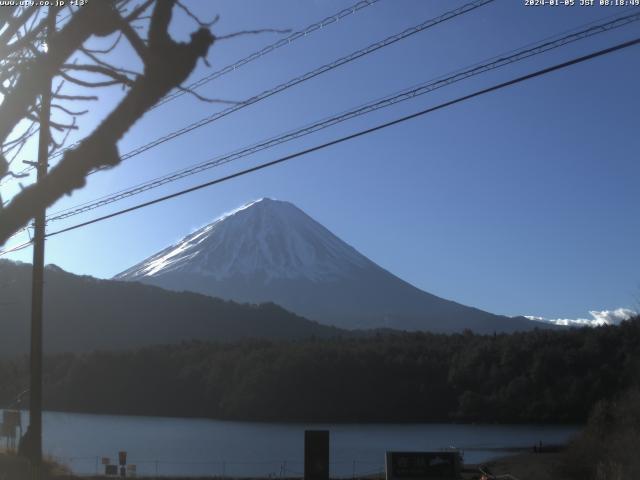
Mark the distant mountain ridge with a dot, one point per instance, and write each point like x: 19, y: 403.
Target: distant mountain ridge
x: 270, y: 250
x: 83, y: 313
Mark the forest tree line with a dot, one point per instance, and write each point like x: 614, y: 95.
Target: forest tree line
x: 537, y: 376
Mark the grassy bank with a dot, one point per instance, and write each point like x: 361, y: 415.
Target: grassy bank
x: 13, y: 467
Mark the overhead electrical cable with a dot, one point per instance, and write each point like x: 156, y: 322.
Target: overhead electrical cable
x: 352, y: 136
x: 269, y: 48
x: 407, y: 94
x: 301, y: 78
x: 288, y: 40
x: 16, y: 248
x: 484, y: 91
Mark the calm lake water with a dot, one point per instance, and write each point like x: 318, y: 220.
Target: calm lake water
x: 178, y: 446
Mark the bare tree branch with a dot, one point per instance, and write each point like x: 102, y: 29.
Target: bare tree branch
x: 138, y: 11
x: 250, y: 32
x: 27, y: 40
x: 108, y: 49
x: 168, y: 64
x: 134, y: 40
x: 115, y: 76
x: 98, y: 61
x: 194, y: 17
x: 15, y: 23
x: 6, y: 13
x: 74, y: 97
x: 205, y: 99
x: 57, y: 145
x: 92, y: 19
x: 69, y: 112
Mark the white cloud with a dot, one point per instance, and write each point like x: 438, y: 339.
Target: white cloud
x: 599, y: 318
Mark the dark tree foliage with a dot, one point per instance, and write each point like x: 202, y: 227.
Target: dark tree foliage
x: 606, y: 448
x: 70, y: 59
x: 538, y: 376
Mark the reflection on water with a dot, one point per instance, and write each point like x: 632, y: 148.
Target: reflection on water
x: 178, y: 446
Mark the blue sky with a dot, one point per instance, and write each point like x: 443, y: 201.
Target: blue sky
x: 523, y: 201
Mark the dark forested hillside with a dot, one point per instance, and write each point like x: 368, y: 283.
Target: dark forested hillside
x: 539, y: 376
x: 84, y: 313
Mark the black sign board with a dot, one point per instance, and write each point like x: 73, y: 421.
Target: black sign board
x: 316, y: 455
x: 111, y: 470
x: 423, y: 465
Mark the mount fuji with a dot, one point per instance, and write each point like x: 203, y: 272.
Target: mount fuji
x: 271, y: 251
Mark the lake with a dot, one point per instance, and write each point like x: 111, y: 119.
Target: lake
x: 179, y: 446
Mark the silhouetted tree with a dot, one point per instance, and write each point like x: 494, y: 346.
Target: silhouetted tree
x: 387, y: 377
x: 26, y: 62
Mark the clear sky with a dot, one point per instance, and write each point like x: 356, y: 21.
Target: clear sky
x: 524, y: 201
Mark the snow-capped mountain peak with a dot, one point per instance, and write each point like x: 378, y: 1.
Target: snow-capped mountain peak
x: 271, y: 251
x: 266, y: 237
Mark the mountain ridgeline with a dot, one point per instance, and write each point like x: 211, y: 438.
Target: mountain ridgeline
x: 83, y: 314
x: 271, y: 251
x: 295, y: 280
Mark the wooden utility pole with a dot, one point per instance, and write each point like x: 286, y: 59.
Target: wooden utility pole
x: 34, y: 440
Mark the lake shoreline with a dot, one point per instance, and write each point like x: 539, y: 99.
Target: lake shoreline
x: 318, y: 422
x: 525, y: 465
x: 204, y: 447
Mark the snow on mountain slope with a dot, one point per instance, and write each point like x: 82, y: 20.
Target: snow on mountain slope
x: 271, y: 238
x: 271, y: 251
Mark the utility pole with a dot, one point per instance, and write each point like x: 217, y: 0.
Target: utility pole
x: 34, y: 440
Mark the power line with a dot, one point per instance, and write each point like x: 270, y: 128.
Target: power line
x: 517, y: 80
x: 407, y: 94
x: 303, y: 78
x: 270, y: 48
x: 16, y: 248
x: 311, y: 74
x: 331, y: 19
x: 361, y: 133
